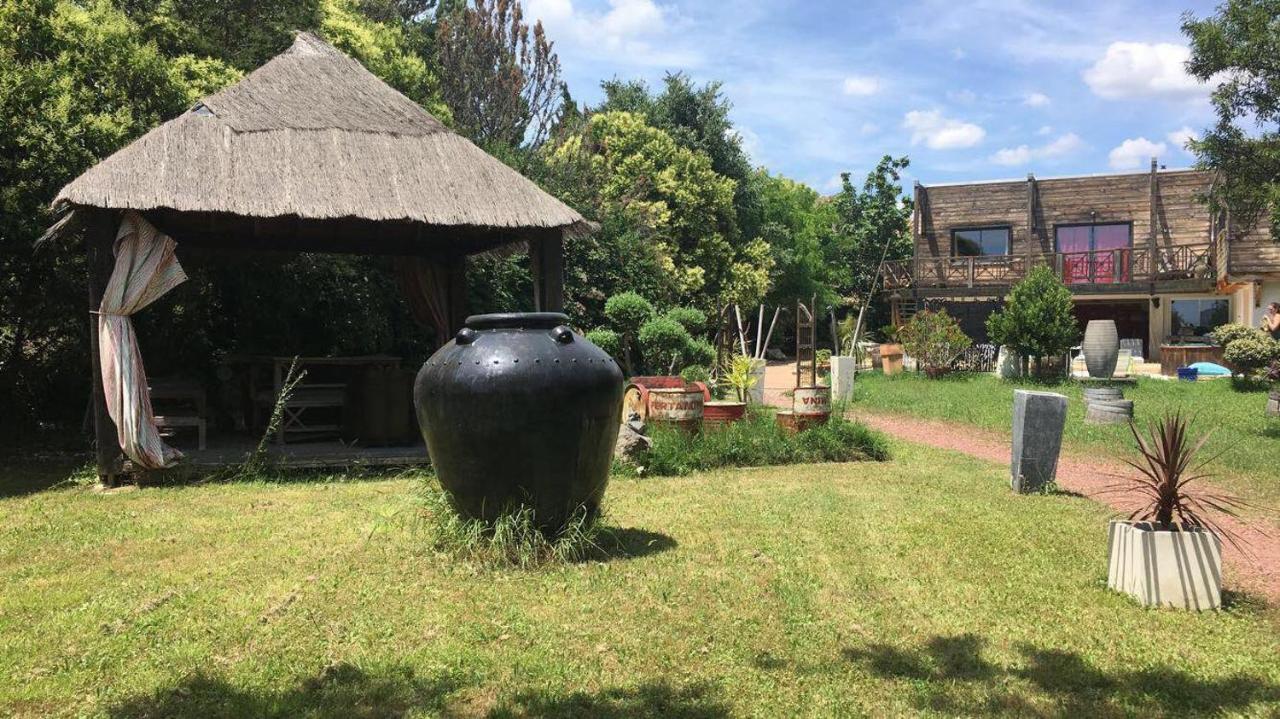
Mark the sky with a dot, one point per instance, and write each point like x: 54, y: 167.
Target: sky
x: 977, y: 90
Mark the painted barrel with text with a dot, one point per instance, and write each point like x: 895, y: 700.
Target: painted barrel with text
x: 679, y: 407
x: 812, y: 401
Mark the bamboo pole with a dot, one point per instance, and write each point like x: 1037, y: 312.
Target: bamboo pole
x: 769, y: 335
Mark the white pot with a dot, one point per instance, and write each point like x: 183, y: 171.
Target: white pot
x: 1180, y: 569
x: 755, y: 395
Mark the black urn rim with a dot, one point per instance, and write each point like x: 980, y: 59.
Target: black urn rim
x: 517, y: 320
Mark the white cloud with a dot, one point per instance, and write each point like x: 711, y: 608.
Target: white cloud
x: 626, y: 29
x: 1138, y: 69
x: 959, y: 54
x: 1179, y: 138
x: 861, y: 85
x: 748, y: 140
x: 869, y: 128
x: 1036, y: 99
x: 1045, y: 130
x: 1135, y: 153
x: 963, y: 97
x: 941, y: 133
x: 1024, y: 154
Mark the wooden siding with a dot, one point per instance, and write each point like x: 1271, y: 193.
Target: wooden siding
x: 1252, y: 253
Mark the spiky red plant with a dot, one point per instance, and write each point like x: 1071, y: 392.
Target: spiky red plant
x: 1168, y: 466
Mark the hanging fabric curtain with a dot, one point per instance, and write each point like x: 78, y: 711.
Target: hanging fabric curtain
x: 146, y: 268
x: 426, y: 286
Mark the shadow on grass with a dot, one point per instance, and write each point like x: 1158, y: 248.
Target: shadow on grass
x: 1249, y: 385
x: 341, y: 690
x: 23, y: 474
x: 630, y: 543
x: 953, y: 677
x: 655, y: 699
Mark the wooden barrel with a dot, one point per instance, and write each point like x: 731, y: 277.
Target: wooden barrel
x: 1273, y: 403
x: 679, y: 407
x: 1109, y: 412
x: 811, y: 401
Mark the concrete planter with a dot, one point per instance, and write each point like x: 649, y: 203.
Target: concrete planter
x: 755, y: 395
x: 1181, y: 569
x: 891, y: 358
x: 843, y: 371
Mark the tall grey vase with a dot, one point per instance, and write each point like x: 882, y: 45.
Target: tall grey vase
x: 1101, y: 348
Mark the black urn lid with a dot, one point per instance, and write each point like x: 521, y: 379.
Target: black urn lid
x: 517, y: 320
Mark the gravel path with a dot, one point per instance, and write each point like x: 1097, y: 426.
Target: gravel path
x: 1258, y: 571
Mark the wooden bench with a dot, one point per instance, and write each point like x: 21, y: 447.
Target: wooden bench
x: 176, y: 422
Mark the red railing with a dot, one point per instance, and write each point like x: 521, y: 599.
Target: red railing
x: 1100, y: 267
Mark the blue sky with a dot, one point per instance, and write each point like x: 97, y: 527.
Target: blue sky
x: 969, y: 90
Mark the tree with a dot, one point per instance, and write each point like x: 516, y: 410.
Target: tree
x: 500, y: 79
x: 242, y: 33
x: 935, y: 339
x: 1238, y: 46
x: 1037, y: 320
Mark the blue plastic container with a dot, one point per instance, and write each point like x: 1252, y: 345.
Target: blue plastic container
x: 1188, y: 374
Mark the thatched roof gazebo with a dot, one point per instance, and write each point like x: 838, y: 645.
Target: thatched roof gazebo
x: 313, y: 153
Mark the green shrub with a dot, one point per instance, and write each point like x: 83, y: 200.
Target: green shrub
x: 700, y: 352
x: 934, y: 339
x: 692, y: 319
x: 757, y: 441
x: 1250, y: 354
x: 1224, y: 335
x: 1037, y: 320
x: 627, y: 313
x: 607, y: 340
x: 823, y: 357
x: 696, y: 373
x: 663, y: 343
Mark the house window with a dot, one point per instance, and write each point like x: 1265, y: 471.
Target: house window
x: 1198, y: 317
x: 1095, y: 253
x: 980, y: 242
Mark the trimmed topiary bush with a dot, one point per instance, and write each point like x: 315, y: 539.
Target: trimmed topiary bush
x: 628, y: 312
x: 692, y: 319
x: 701, y: 353
x: 1251, y: 354
x: 696, y: 373
x: 1224, y: 335
x: 663, y: 343
x: 1037, y: 320
x: 607, y: 340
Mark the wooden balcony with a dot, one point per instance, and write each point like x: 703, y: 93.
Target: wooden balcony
x: 1098, y: 271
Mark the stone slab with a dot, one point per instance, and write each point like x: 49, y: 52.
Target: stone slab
x: 1038, y: 421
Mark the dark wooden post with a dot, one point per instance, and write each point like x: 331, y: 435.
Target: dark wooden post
x: 546, y: 264
x: 457, y: 294
x: 1031, y: 220
x: 1154, y: 205
x: 99, y: 236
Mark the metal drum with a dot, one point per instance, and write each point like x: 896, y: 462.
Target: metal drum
x: 679, y: 407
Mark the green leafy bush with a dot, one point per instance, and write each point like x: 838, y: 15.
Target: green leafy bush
x: 1224, y: 335
x: 934, y: 339
x: 692, y: 319
x: 696, y: 373
x: 1037, y: 320
x: 607, y: 340
x: 757, y: 441
x: 663, y: 343
x: 628, y: 312
x: 823, y: 357
x: 700, y: 352
x: 1251, y: 354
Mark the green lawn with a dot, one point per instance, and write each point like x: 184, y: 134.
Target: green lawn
x: 919, y: 585
x: 1249, y: 442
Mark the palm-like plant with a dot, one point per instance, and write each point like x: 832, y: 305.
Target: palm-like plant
x: 1168, y: 466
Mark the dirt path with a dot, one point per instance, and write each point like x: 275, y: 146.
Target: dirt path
x: 1091, y: 477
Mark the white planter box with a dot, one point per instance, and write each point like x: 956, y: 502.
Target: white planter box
x: 1181, y: 569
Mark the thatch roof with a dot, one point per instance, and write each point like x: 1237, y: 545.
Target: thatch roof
x: 315, y: 135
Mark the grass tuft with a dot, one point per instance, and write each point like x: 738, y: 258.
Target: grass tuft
x: 513, y: 540
x: 758, y: 441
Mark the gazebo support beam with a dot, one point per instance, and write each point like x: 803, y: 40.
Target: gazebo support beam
x: 99, y: 235
x: 546, y: 264
x: 457, y: 293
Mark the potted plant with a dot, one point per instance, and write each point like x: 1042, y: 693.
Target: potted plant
x: 736, y: 378
x: 934, y: 339
x: 890, y: 350
x: 1169, y: 552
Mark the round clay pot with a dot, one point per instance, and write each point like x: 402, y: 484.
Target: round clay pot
x: 519, y: 410
x: 1101, y: 348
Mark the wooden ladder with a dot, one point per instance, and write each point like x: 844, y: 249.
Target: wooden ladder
x: 806, y: 343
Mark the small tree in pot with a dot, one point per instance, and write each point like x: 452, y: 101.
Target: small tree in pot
x: 1169, y: 551
x: 935, y: 340
x: 1037, y: 320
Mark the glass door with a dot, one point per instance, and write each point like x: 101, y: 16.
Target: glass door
x: 1096, y: 253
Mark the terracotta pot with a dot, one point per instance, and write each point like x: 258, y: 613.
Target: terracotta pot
x: 721, y: 412
x: 1101, y: 348
x: 891, y: 358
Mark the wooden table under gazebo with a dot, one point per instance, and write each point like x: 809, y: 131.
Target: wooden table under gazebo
x: 309, y: 153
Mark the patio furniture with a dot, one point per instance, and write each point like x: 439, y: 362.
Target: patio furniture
x: 172, y: 422
x: 315, y: 408
x: 179, y: 403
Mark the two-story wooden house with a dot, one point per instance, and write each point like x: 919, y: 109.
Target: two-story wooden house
x: 1141, y: 248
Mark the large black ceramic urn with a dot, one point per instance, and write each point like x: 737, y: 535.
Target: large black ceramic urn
x: 518, y: 409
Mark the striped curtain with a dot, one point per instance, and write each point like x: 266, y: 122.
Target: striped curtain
x: 146, y: 268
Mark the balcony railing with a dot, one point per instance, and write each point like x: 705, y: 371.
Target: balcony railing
x: 1099, y: 267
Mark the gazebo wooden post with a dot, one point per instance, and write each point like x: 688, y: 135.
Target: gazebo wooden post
x: 546, y: 264
x: 99, y: 235
x: 457, y: 293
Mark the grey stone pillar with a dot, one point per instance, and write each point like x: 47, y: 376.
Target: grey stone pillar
x: 1038, y: 420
